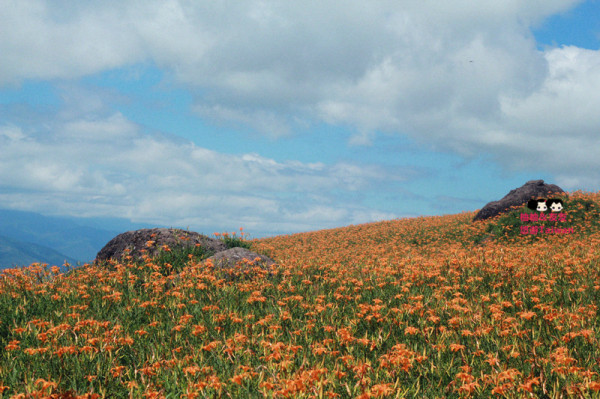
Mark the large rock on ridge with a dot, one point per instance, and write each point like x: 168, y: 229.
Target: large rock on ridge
x: 137, y: 240
x: 132, y: 243
x: 518, y: 197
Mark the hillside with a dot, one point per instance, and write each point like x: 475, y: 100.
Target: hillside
x: 420, y: 307
x: 398, y: 240
x: 16, y: 253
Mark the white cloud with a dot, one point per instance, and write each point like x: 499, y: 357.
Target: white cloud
x: 59, y: 40
x: 106, y: 166
x: 555, y: 128
x: 568, y: 100
x: 464, y: 76
x: 11, y: 134
x: 265, y: 122
x: 113, y: 129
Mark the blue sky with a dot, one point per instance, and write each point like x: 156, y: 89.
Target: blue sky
x: 281, y: 118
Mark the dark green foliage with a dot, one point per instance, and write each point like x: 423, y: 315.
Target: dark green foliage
x: 179, y: 257
x: 233, y: 241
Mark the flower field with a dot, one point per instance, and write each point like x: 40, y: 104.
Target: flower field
x: 434, y: 307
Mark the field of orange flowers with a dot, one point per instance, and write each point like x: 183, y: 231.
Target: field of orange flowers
x: 430, y: 307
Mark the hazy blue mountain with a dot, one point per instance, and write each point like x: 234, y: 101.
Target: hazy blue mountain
x: 17, y: 253
x: 78, y: 239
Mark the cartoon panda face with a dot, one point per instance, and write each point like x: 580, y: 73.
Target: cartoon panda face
x: 541, y: 206
x: 556, y: 207
x: 537, y: 205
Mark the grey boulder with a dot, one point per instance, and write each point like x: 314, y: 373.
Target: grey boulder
x: 136, y: 241
x: 246, y: 259
x: 228, y: 260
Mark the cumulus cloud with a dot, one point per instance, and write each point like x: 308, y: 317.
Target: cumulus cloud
x: 44, y: 40
x: 555, y: 127
x: 462, y: 76
x: 108, y: 166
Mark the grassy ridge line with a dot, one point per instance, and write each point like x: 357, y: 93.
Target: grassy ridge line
x: 427, y: 232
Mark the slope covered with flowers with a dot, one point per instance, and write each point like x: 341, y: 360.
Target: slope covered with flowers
x: 422, y: 307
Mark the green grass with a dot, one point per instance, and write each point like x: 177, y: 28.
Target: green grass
x: 233, y: 241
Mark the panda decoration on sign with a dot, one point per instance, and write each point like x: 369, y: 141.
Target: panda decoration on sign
x: 555, y: 205
x: 542, y: 205
x: 537, y: 205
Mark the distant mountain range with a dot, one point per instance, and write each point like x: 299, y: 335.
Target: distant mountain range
x: 18, y: 253
x: 28, y: 237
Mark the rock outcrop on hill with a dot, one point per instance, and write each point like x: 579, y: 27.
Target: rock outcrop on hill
x: 232, y: 256
x: 230, y: 259
x: 518, y: 197
x: 138, y: 240
x: 152, y: 240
